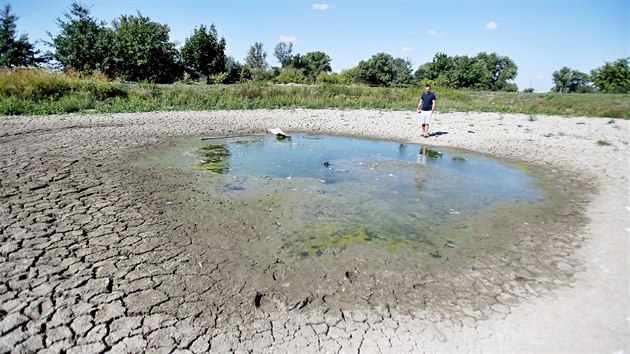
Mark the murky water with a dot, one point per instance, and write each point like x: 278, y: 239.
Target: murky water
x: 334, y: 191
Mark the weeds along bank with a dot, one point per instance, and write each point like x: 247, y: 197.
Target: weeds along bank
x: 42, y: 92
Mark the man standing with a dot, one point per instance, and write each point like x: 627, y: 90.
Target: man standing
x: 426, y: 107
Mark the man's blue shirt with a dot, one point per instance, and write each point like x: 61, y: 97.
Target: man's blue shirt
x: 427, y: 101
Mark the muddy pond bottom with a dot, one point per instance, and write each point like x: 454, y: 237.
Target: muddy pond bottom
x: 319, y: 195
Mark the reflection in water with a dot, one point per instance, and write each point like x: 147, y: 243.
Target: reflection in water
x: 424, y: 152
x: 422, y: 156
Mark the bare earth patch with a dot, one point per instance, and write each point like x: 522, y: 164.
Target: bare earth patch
x: 98, y: 252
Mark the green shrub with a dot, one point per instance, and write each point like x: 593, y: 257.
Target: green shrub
x: 14, y: 106
x: 291, y: 75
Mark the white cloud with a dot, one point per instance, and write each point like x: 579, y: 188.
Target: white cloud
x: 407, y: 49
x: 540, y: 77
x: 287, y: 39
x: 322, y: 6
x: 433, y: 33
x: 491, y: 26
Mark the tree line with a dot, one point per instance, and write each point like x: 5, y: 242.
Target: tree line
x: 611, y: 77
x: 135, y: 49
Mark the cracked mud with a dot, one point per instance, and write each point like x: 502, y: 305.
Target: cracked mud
x: 99, y: 252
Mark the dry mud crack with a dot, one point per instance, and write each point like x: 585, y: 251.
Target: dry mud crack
x: 96, y: 254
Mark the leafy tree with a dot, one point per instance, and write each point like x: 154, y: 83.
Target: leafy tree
x: 14, y: 52
x: 402, y: 73
x: 256, y: 62
x: 566, y: 80
x: 501, y: 69
x: 484, y: 71
x: 424, y: 73
x: 613, y: 77
x: 283, y: 53
x: 439, y: 67
x: 376, y: 71
x: 141, y: 50
x: 442, y: 63
x: 315, y: 63
x: 203, y: 53
x: 468, y: 73
x: 109, y: 62
x: 384, y: 70
x: 236, y: 71
x: 80, y: 45
x: 256, y: 57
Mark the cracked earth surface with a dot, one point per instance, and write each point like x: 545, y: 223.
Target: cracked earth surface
x: 101, y: 253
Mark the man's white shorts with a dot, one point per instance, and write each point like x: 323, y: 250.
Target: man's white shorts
x: 425, y: 117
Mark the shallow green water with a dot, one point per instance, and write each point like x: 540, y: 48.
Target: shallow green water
x: 337, y: 191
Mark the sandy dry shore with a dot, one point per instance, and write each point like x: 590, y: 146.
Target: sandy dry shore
x: 88, y: 262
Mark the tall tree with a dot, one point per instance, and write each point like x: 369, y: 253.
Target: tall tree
x: 468, y: 73
x: 438, y: 69
x: 297, y: 62
x: 316, y: 63
x: 141, y: 50
x: 235, y: 70
x: 402, y: 72
x: 283, y: 52
x: 204, y: 53
x: 256, y: 63
x: 501, y: 69
x: 78, y: 46
x: 256, y: 57
x: 14, y: 51
x: 384, y: 70
x: 566, y: 80
x: 613, y: 77
x: 376, y: 71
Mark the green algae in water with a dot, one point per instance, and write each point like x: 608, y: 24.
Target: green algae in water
x: 213, y: 158
x: 336, y: 193
x: 517, y: 166
x: 330, y: 239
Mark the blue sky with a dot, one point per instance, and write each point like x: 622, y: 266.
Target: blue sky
x: 540, y: 36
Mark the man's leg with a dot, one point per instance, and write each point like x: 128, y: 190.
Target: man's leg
x: 423, y: 120
x: 427, y: 121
